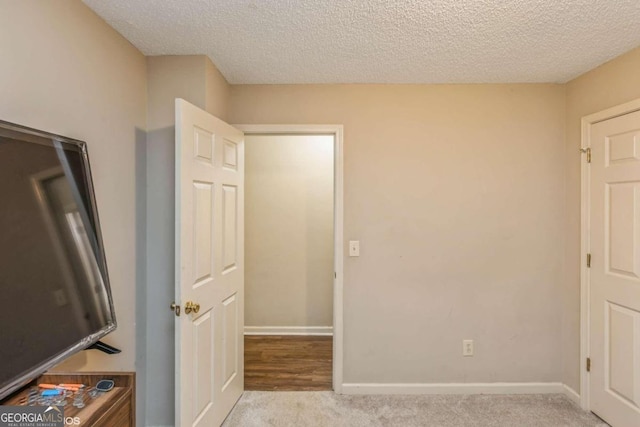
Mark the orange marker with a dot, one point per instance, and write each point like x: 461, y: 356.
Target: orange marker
x: 47, y: 386
x: 71, y: 387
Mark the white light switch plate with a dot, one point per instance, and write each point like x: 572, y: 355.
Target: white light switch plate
x: 467, y: 348
x: 354, y: 248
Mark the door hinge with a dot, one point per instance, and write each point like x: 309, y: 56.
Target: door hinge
x: 335, y: 275
x: 588, y: 364
x: 588, y: 151
x: 588, y: 260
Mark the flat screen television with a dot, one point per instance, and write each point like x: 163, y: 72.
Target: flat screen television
x: 54, y: 287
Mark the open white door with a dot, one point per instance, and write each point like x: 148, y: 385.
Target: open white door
x: 614, y: 217
x: 209, y: 267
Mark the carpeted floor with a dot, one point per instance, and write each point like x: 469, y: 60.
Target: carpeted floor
x: 320, y: 409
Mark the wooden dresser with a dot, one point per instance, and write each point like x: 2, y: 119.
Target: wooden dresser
x: 115, y: 408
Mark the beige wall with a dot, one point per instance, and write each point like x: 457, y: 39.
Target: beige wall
x: 455, y: 193
x: 611, y: 84
x: 64, y: 70
x: 288, y: 230
x: 217, y: 91
x: 170, y: 77
x: 191, y: 77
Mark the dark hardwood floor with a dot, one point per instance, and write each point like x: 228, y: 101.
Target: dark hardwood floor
x: 279, y: 363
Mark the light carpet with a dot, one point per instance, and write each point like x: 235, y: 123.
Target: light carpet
x: 319, y: 409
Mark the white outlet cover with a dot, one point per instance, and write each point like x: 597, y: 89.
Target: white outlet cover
x: 354, y: 248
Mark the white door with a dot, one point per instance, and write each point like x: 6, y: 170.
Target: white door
x: 614, y: 211
x: 209, y: 267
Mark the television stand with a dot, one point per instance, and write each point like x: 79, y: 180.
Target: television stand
x: 104, y: 347
x: 115, y: 408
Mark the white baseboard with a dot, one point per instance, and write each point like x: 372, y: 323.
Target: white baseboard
x: 571, y: 394
x: 455, y: 388
x: 289, y: 330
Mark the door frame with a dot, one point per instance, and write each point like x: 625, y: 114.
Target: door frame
x: 585, y: 228
x: 338, y: 230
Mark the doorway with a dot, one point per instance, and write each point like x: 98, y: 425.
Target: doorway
x: 293, y: 257
x: 611, y: 268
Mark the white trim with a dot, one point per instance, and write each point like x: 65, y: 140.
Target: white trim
x: 338, y: 295
x: 584, y: 272
x: 587, y: 121
x: 454, y: 388
x: 338, y: 284
x: 571, y: 394
x: 289, y: 330
x: 610, y: 113
x: 290, y: 129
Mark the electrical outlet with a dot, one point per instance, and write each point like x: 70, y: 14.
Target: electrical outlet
x: 467, y: 348
x: 354, y: 248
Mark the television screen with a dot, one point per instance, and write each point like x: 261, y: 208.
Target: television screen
x: 54, y: 285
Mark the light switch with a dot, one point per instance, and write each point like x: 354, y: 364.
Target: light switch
x: 354, y: 248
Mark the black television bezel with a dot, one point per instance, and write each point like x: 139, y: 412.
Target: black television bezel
x: 30, y: 135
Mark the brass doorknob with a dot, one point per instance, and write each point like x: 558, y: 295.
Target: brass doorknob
x: 191, y: 307
x: 175, y: 308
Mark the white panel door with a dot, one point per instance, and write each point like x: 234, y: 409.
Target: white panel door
x: 614, y: 212
x: 209, y: 267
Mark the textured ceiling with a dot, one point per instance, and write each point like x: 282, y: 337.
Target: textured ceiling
x: 383, y: 41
